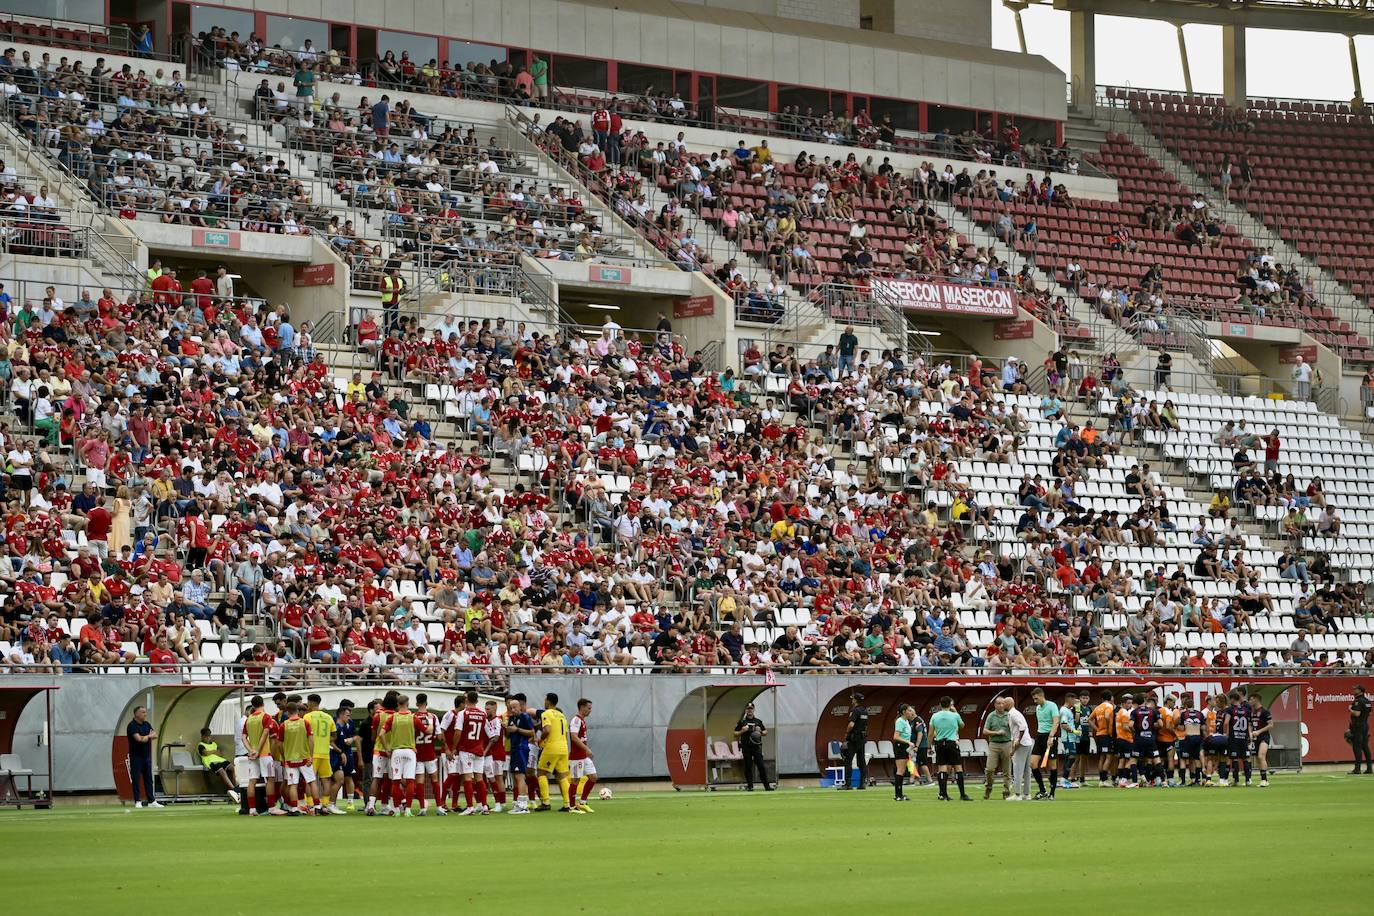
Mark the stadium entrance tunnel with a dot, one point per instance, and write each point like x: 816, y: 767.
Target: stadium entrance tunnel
x: 700, y: 743
x: 177, y: 712
x: 25, y: 780
x: 973, y: 698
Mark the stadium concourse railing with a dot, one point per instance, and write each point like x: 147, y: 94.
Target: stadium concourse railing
x: 302, y: 673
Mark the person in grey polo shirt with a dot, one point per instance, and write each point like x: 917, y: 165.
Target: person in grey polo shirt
x: 997, y: 731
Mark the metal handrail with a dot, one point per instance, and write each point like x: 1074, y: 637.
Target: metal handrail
x: 253, y: 674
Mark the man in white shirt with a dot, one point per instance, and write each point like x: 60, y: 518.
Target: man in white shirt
x: 1020, y: 756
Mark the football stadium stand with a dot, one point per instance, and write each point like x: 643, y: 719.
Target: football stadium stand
x: 465, y: 458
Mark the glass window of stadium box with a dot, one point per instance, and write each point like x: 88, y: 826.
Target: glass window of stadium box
x: 579, y: 72
x: 1037, y: 129
x: 638, y: 79
x: 421, y: 48
x: 905, y: 115
x: 76, y: 10
x: 751, y: 95
x: 204, y: 18
x: 290, y: 33
x: 461, y: 53
x: 802, y: 98
x: 951, y: 120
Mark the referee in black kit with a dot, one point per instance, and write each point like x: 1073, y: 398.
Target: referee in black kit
x: 751, y: 731
x: 855, y: 735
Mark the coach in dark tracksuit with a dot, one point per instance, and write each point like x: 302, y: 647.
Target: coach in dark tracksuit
x: 751, y: 731
x: 142, y: 736
x: 855, y: 735
x: 1359, y: 730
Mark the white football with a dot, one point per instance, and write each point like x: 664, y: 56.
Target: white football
x: 605, y: 793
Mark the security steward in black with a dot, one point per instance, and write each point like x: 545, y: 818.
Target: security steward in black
x: 855, y: 735
x: 1359, y: 730
x: 751, y: 731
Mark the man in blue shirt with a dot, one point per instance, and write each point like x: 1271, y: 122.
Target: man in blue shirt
x: 142, y: 738
x: 519, y: 731
x: 343, y: 756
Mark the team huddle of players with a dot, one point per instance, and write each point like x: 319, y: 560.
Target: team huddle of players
x: 305, y: 759
x: 1140, y: 743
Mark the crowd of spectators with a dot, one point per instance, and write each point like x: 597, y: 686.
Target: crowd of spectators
x: 209, y: 471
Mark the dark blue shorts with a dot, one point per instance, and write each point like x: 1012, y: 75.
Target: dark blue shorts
x: 1215, y: 744
x: 1238, y: 748
x: 1145, y: 748
x: 1125, y: 747
x: 519, y: 760
x: 1190, y: 748
x: 342, y: 763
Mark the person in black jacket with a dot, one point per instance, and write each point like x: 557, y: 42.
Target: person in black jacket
x: 751, y: 731
x: 855, y: 736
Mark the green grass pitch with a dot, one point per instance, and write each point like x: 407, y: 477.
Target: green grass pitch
x: 1300, y: 846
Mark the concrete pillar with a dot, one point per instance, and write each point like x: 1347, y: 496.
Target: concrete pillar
x: 1233, y: 65
x: 1183, y: 59
x: 1354, y: 67
x: 1083, y: 59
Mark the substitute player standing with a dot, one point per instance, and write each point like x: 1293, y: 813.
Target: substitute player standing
x: 1261, y: 733
x: 1167, y: 739
x: 380, y: 784
x: 581, y: 766
x: 399, y: 732
x: 297, y: 748
x: 1070, y: 732
x: 519, y: 731
x: 1103, y: 720
x: 1046, y: 744
x: 945, y: 726
x: 258, y: 727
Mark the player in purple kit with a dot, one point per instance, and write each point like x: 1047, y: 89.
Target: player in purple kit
x: 1236, y: 727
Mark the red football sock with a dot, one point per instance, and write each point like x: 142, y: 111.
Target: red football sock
x: 499, y: 789
x: 398, y: 791
x: 481, y: 791
x: 467, y: 791
x: 450, y: 790
x: 587, y: 788
x: 384, y: 790
x: 410, y: 792
x: 420, y: 792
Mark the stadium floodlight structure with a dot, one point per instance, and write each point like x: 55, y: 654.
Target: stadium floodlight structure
x: 1342, y: 17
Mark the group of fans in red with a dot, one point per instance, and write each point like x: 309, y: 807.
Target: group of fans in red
x: 302, y: 760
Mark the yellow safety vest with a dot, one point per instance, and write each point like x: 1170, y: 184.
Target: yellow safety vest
x: 391, y: 289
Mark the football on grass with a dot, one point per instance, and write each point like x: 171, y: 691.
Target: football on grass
x: 605, y: 793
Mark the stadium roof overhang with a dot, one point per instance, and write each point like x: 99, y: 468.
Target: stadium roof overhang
x: 1345, y: 17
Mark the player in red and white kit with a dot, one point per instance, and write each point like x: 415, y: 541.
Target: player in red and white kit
x: 426, y: 755
x: 448, y: 735
x: 581, y: 768
x: 495, y: 765
x: 472, y: 748
x: 380, y: 784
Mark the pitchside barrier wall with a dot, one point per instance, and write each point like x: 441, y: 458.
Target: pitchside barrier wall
x: 630, y: 724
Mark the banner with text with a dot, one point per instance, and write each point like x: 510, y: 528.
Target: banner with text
x: 945, y: 298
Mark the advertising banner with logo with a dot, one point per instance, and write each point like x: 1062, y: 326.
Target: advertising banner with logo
x: 946, y: 298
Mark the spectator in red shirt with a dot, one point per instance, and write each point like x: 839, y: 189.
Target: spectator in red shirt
x: 98, y: 523
x: 162, y: 658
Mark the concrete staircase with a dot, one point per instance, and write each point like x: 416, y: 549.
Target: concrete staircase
x: 1084, y: 133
